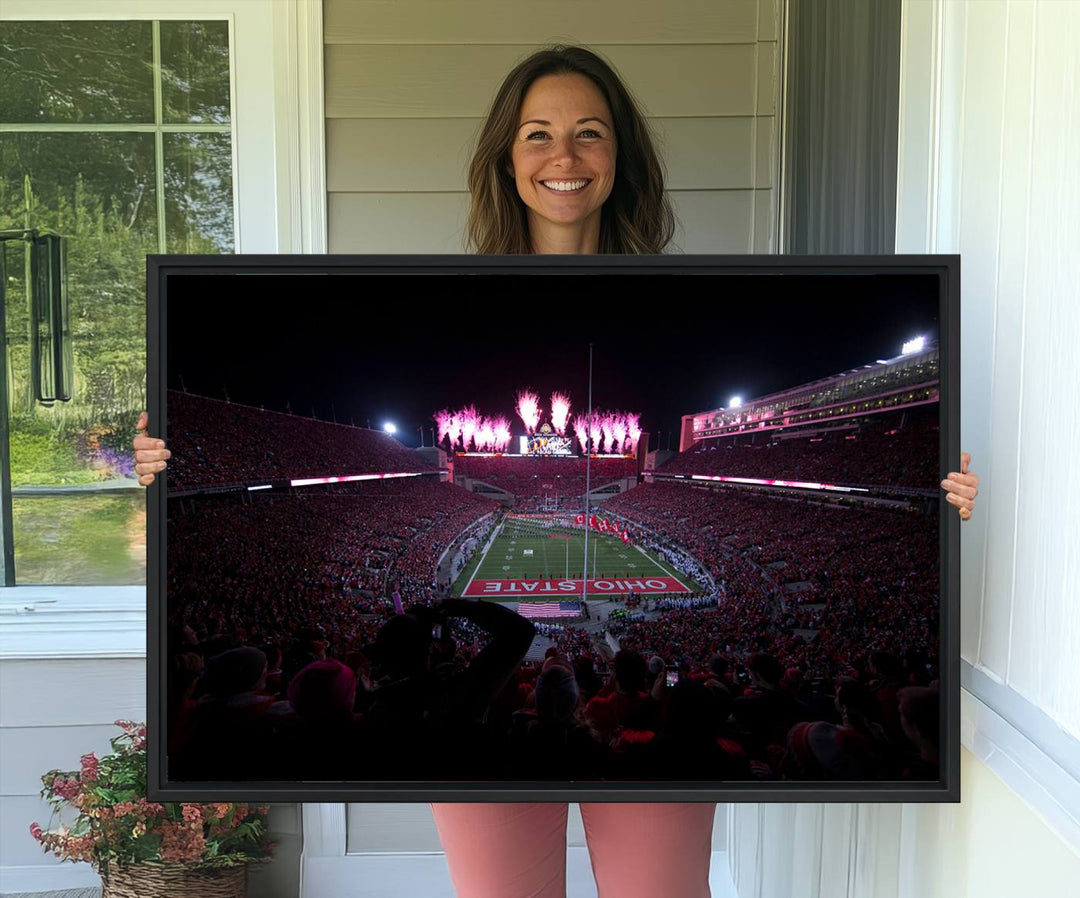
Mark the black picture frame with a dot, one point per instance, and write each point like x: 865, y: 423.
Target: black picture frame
x: 164, y: 277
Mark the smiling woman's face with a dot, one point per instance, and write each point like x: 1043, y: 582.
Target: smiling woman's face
x: 563, y: 157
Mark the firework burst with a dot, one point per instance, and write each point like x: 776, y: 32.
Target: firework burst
x: 619, y: 428
x: 501, y: 426
x: 560, y: 412
x: 453, y: 429
x: 596, y: 432
x: 581, y: 428
x: 442, y: 419
x: 528, y: 409
x: 633, y: 430
x: 470, y: 424
x: 485, y: 435
x: 607, y: 422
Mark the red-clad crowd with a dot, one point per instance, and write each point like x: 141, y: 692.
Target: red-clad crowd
x: 287, y: 660
x: 871, y: 571
x: 279, y: 563
x: 533, y: 480
x: 896, y: 449
x: 211, y: 443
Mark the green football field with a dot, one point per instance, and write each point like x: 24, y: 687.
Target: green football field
x: 532, y: 549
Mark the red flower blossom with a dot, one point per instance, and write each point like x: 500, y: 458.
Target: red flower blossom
x: 221, y: 808
x: 181, y: 842
x: 66, y: 789
x: 89, y: 768
x: 122, y: 831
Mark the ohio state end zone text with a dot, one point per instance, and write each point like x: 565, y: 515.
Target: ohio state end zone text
x: 567, y: 588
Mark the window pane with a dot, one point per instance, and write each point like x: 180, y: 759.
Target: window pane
x: 97, y: 190
x: 81, y: 540
x: 198, y: 193
x: 76, y: 72
x: 195, y: 72
x: 79, y: 517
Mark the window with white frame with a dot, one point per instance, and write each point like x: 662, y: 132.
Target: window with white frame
x: 118, y: 137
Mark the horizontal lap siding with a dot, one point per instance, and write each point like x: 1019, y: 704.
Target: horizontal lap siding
x: 51, y: 713
x: 717, y: 221
x: 408, y: 84
x: 59, y: 693
x: 424, y: 155
x: 525, y: 22
x: 27, y: 752
x: 460, y: 81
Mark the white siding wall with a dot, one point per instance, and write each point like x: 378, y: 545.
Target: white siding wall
x: 989, y: 150
x: 408, y: 82
x: 51, y: 712
x: 1014, y: 213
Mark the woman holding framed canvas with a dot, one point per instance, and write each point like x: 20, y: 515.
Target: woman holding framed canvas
x: 565, y: 164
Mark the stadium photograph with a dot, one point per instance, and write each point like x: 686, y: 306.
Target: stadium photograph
x: 528, y: 532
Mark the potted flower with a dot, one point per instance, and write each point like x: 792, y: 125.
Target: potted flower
x: 143, y: 848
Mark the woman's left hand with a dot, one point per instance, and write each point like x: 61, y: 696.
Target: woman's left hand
x: 962, y: 487
x: 150, y: 453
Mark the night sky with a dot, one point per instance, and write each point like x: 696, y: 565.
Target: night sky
x: 373, y: 348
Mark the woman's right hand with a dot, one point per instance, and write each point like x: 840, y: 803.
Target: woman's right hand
x: 150, y: 453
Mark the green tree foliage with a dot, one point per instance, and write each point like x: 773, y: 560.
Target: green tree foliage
x: 76, y: 72
x: 99, y: 190
x: 108, y: 240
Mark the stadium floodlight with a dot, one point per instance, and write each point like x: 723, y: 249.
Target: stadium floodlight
x: 882, y: 362
x: 735, y: 402
x: 389, y: 427
x: 915, y: 345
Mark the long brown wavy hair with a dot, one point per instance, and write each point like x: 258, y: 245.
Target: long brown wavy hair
x: 637, y: 216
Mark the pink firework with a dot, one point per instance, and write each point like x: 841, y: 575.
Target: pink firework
x: 528, y: 409
x: 596, y: 433
x: 619, y: 428
x: 606, y: 422
x: 489, y: 436
x: 581, y: 428
x: 633, y: 430
x: 470, y: 424
x: 442, y: 419
x: 560, y: 412
x: 502, y: 433
x: 485, y: 434
x: 453, y: 429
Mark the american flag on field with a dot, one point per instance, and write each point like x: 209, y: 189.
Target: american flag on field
x: 549, y: 609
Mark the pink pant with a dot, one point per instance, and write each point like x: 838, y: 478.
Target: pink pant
x: 519, y: 850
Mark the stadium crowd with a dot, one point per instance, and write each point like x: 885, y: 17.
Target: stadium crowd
x: 532, y: 480
x: 813, y: 657
x: 865, y: 565
x: 898, y: 449
x: 309, y: 558
x: 212, y: 444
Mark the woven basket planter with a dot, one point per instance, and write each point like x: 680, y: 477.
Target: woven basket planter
x: 174, y: 881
